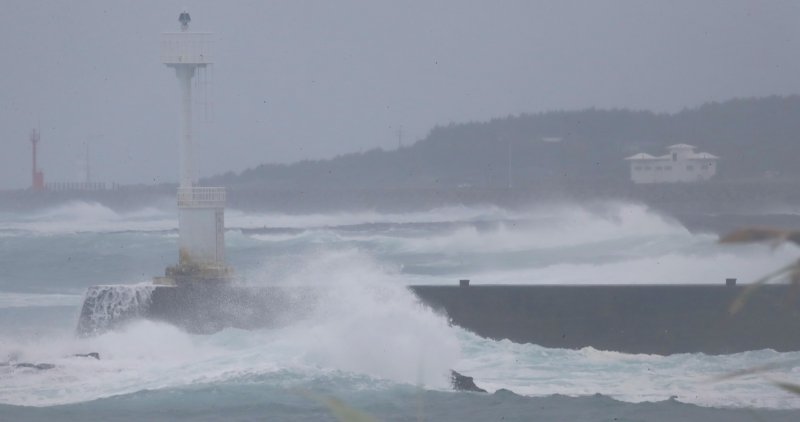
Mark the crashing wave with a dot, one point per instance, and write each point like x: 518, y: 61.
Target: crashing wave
x: 107, y: 307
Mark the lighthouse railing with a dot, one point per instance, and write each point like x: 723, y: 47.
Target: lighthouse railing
x: 192, y: 48
x: 201, y: 197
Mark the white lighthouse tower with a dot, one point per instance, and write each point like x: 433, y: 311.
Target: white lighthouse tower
x: 201, y: 209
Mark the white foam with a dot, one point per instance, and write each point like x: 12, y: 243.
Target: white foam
x: 364, y: 321
x: 360, y: 322
x: 564, y: 226
x: 746, y: 266
x: 239, y: 219
x: 606, y: 244
x: 106, y: 306
x: 78, y: 217
x: 145, y: 355
x: 367, y: 324
x: 533, y: 370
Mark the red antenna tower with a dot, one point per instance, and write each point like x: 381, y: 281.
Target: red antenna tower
x: 37, y: 182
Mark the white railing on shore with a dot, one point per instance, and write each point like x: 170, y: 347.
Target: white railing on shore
x: 79, y: 186
x: 201, y: 197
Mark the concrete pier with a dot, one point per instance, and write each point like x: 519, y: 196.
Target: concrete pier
x: 656, y: 319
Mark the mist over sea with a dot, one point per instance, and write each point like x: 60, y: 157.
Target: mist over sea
x: 370, y: 343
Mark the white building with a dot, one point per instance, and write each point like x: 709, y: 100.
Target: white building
x: 682, y: 164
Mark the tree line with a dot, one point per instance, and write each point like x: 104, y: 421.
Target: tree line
x: 756, y: 138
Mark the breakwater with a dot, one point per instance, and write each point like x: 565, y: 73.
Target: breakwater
x: 656, y: 319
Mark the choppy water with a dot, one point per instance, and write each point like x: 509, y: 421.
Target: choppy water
x: 370, y: 344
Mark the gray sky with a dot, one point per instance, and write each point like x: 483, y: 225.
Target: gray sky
x: 313, y: 79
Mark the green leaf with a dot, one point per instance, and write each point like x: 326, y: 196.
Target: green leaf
x: 756, y: 370
x: 340, y: 410
x: 741, y: 300
x: 789, y: 387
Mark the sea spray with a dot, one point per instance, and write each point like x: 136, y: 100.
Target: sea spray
x: 249, y: 220
x: 87, y: 217
x: 533, y: 370
x: 363, y: 320
x: 601, y: 243
x: 353, y: 327
x: 156, y: 365
x: 109, y: 306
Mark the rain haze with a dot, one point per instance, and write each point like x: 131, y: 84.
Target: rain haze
x: 312, y: 80
x: 420, y: 210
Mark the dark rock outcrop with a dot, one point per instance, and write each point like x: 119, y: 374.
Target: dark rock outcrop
x: 464, y: 383
x: 88, y: 355
x: 39, y: 366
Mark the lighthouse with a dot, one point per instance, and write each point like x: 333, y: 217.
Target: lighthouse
x: 201, y: 210
x: 37, y: 180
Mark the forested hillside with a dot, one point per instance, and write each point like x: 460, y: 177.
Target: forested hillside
x: 755, y: 138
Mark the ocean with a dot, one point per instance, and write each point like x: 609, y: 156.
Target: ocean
x: 370, y: 347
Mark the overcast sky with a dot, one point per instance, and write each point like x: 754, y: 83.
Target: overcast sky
x: 314, y: 79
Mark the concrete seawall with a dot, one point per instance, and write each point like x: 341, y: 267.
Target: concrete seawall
x: 663, y: 319
x: 208, y: 308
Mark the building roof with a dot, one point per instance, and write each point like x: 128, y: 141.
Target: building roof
x: 681, y: 146
x: 642, y: 156
x: 685, y: 155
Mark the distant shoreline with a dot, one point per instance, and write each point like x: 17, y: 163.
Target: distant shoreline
x: 713, y: 207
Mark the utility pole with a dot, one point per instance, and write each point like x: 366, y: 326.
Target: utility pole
x: 88, y: 168
x: 400, y: 137
x: 508, y: 165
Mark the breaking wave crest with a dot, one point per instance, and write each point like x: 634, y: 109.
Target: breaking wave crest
x: 79, y: 217
x: 358, y: 326
x: 608, y: 243
x: 107, y: 307
x: 364, y: 330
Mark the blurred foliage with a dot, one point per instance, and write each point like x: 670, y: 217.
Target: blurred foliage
x: 342, y: 411
x: 775, y: 237
x: 345, y: 413
x: 791, y: 272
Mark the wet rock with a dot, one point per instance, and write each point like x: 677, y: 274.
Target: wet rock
x: 39, y: 366
x: 88, y: 355
x: 464, y: 383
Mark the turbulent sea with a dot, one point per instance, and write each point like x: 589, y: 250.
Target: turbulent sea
x: 372, y: 346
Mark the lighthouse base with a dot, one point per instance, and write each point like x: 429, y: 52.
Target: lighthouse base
x: 199, y: 308
x: 194, y: 274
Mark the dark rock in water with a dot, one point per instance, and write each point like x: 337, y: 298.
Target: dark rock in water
x: 464, y: 383
x: 46, y: 366
x: 39, y: 366
x: 88, y: 355
x: 506, y: 393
